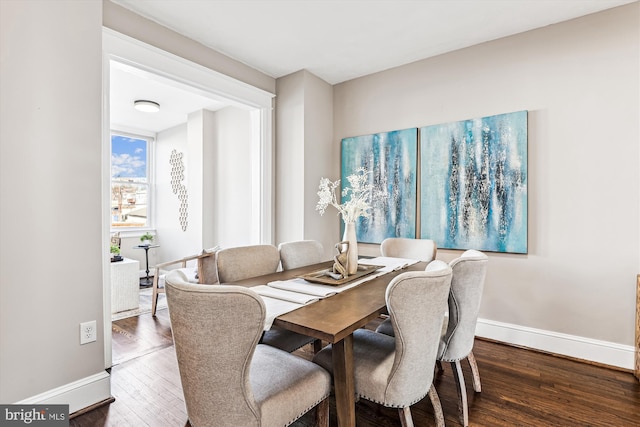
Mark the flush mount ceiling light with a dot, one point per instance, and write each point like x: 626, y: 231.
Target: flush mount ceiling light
x: 146, y: 106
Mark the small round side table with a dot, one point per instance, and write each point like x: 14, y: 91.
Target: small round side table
x: 147, y: 281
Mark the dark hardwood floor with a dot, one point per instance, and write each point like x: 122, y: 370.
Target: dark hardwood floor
x: 519, y: 388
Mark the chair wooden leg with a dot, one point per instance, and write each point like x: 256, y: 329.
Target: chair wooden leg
x: 462, y: 392
x: 475, y: 372
x: 322, y: 413
x: 405, y: 416
x: 437, y: 406
x: 154, y: 301
x: 439, y: 365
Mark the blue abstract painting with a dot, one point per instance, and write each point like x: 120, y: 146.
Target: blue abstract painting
x: 473, y: 185
x: 391, y: 159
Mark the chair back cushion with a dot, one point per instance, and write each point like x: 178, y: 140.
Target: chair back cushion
x: 246, y: 261
x: 467, y: 284
x: 301, y: 253
x: 400, y: 247
x: 215, y: 332
x: 416, y: 302
x: 207, y: 268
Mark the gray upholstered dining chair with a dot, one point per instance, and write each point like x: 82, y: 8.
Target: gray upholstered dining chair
x: 458, y: 334
x: 228, y: 379
x: 467, y: 283
x: 400, y: 247
x: 244, y: 262
x: 300, y: 253
x: 398, y: 371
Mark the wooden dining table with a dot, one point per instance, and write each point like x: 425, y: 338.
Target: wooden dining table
x: 333, y: 320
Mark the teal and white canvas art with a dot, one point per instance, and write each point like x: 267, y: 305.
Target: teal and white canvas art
x: 474, y: 183
x: 391, y: 159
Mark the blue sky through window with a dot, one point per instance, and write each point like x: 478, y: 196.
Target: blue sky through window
x: 128, y: 157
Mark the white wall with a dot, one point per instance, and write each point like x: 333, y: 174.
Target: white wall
x: 304, y: 154
x: 289, y: 157
x: 233, y: 178
x: 318, y: 161
x: 197, y: 125
x: 52, y: 244
x: 209, y: 177
x: 215, y: 148
x: 174, y: 242
x: 580, y: 82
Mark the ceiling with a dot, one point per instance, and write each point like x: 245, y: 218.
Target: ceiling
x: 335, y: 40
x: 128, y: 84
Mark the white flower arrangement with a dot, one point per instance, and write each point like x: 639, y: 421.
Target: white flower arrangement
x: 359, y: 203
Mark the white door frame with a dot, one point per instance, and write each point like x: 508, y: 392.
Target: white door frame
x: 117, y: 46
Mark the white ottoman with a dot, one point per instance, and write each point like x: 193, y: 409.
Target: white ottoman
x: 125, y: 285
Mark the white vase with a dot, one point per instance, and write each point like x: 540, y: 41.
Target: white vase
x: 350, y: 236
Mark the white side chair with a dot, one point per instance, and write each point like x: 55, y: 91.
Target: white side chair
x: 204, y: 271
x: 228, y: 379
x: 400, y: 247
x: 398, y: 371
x: 300, y: 253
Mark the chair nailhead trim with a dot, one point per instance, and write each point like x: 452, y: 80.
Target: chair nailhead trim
x: 392, y: 406
x: 305, y: 411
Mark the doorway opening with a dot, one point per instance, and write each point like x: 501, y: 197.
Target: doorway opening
x: 213, y: 107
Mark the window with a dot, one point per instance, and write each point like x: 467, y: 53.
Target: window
x: 130, y: 181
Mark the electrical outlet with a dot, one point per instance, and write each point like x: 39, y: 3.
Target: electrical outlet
x: 87, y: 332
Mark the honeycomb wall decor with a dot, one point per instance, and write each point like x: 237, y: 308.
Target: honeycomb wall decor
x: 177, y: 179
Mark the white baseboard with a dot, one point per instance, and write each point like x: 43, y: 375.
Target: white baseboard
x: 78, y: 394
x: 97, y: 388
x: 604, y: 352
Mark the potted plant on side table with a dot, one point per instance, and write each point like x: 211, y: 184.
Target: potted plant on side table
x: 146, y: 239
x: 115, y: 253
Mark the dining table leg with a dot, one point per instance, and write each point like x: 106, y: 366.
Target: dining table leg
x: 344, y: 382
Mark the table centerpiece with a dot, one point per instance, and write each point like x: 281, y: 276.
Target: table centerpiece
x: 357, y: 203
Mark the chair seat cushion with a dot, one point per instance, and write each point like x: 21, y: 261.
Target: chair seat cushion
x: 373, y: 356
x: 190, y: 272
x: 285, y: 386
x: 386, y: 328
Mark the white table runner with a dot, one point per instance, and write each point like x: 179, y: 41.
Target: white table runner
x: 283, y: 296
x: 389, y: 264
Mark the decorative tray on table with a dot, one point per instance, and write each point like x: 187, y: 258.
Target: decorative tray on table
x: 327, y: 277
